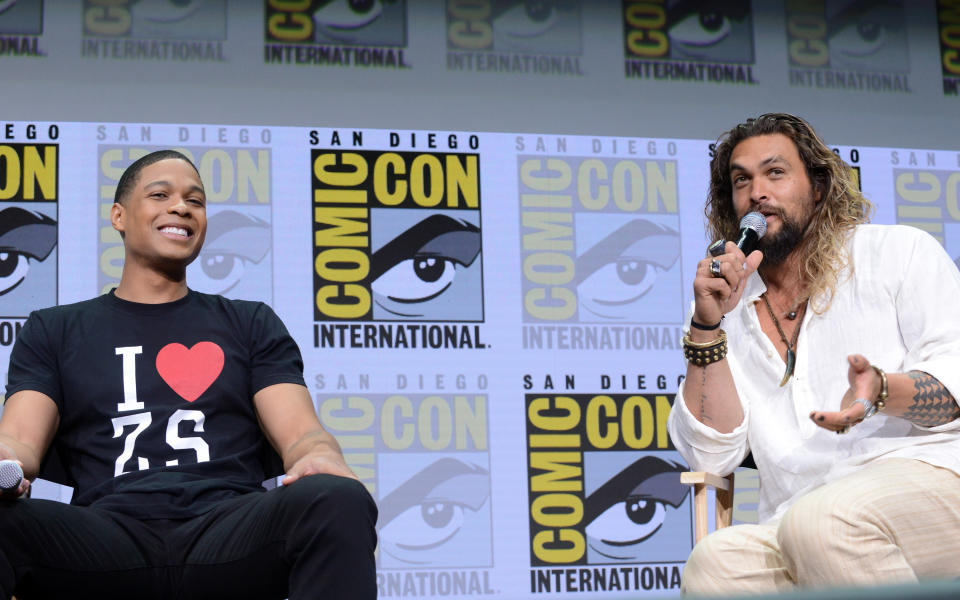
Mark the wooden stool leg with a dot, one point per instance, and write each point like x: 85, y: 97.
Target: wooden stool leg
x: 700, y: 511
x: 724, y: 504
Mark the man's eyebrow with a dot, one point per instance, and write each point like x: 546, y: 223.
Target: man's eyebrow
x: 164, y: 182
x: 776, y: 158
x: 157, y: 183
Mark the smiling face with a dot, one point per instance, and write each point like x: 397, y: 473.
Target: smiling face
x: 768, y: 175
x: 163, y: 219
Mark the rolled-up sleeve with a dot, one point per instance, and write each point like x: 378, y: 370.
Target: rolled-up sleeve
x: 705, y: 448
x: 926, y: 302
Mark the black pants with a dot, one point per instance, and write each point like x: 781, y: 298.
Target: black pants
x: 312, y: 539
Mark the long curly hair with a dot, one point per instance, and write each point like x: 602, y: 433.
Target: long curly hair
x: 823, y: 249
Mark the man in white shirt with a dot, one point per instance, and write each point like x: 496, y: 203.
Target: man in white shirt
x: 838, y: 370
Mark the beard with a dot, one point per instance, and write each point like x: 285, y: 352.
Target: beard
x: 776, y: 248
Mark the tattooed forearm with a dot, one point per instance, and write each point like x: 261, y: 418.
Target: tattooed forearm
x: 932, y: 403
x: 704, y: 417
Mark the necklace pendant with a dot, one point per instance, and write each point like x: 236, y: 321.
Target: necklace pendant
x: 792, y: 315
x: 791, y: 362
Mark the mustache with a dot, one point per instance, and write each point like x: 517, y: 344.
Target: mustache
x: 776, y: 211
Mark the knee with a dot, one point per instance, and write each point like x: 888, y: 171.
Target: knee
x: 816, y: 528
x: 19, y: 518
x: 344, y: 498
x: 704, y: 569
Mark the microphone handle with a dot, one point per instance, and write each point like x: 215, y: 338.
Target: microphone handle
x: 748, y: 240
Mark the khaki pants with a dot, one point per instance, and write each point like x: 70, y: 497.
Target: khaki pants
x: 895, y: 520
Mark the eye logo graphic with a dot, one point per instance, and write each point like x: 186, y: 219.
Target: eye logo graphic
x: 526, y: 19
x: 690, y: 30
x: 158, y: 19
x: 624, y: 513
x: 437, y: 517
x: 233, y: 254
x: 868, y: 36
x: 525, y: 26
x: 360, y: 22
x: 710, y: 31
x: 863, y: 36
x: 29, y: 183
x: 165, y: 11
x: 538, y: 26
x: 430, y: 270
x: 604, y: 481
x: 26, y: 239
x: 397, y: 237
x: 600, y: 240
x: 614, y: 276
x: 24, y: 17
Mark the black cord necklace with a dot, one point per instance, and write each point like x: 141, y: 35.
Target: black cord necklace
x: 791, y: 354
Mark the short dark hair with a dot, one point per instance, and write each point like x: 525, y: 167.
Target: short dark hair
x: 130, y: 177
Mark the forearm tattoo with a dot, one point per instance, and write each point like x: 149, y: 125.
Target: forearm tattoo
x: 704, y: 417
x: 932, y: 403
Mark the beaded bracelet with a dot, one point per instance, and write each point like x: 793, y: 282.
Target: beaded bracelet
x: 881, y: 400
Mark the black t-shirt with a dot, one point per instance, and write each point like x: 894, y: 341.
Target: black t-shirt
x: 156, y: 400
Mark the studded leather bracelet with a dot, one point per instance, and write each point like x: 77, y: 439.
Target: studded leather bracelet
x: 701, y: 354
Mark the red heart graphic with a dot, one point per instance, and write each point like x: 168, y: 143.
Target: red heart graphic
x: 190, y: 372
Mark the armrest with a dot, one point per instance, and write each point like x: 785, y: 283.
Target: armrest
x: 719, y: 482
x: 723, y: 484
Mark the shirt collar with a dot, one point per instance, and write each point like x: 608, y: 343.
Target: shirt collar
x: 754, y: 287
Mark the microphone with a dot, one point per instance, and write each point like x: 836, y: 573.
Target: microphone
x: 10, y: 475
x: 752, y: 227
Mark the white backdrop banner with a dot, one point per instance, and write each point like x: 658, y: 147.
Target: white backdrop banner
x: 490, y: 322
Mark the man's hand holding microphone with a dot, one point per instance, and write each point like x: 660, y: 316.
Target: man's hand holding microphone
x: 718, y: 285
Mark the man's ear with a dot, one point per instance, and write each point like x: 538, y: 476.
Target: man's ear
x: 817, y: 188
x: 117, y: 215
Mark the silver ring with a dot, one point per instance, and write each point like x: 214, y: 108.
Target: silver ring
x: 715, y: 268
x: 869, y: 408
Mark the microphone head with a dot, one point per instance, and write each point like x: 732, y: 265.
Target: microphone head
x: 755, y: 221
x: 10, y: 475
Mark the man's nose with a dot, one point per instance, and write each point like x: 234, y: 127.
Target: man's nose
x: 758, y: 190
x: 179, y: 206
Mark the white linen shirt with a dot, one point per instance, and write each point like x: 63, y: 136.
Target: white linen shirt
x: 899, y: 309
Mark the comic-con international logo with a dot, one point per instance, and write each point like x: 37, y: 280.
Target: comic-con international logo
x: 514, y: 36
x: 607, y: 510
x: 21, y: 24
x: 237, y: 259
x: 29, y: 184
x: 171, y: 30
x: 848, y: 45
x: 684, y: 40
x: 354, y: 33
x: 426, y: 460
x: 600, y: 241
x: 948, y: 23
x: 928, y: 197
x: 396, y: 246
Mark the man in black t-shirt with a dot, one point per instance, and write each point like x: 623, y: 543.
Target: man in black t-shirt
x: 165, y: 409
